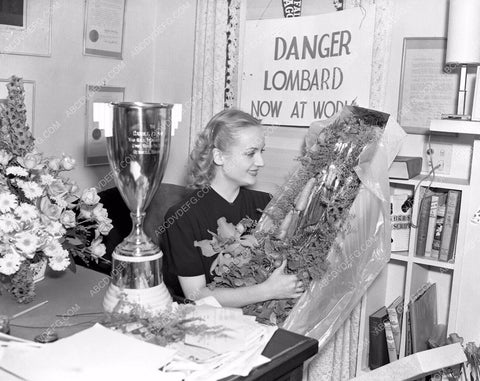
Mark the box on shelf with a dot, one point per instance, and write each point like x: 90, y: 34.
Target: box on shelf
x: 405, y: 167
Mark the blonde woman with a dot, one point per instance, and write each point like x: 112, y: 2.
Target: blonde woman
x: 226, y: 159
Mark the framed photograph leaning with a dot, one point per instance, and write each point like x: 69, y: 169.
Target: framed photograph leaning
x: 99, y: 113
x: 427, y: 85
x: 104, y: 25
x: 26, y: 27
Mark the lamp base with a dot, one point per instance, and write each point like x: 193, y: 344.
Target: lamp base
x: 456, y: 117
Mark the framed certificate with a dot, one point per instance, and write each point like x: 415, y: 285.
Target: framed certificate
x: 99, y: 112
x: 104, y: 25
x: 427, y: 86
x: 26, y: 27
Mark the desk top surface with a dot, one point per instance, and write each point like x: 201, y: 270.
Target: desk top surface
x: 75, y: 303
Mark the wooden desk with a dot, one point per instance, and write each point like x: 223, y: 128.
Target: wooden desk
x: 82, y: 293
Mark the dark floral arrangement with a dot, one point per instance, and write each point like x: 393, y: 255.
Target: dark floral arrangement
x: 303, y: 220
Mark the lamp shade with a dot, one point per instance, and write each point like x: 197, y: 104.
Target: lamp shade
x: 463, y: 44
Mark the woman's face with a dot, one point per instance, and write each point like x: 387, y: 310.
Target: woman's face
x: 243, y: 159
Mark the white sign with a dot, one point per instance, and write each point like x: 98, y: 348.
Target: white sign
x: 302, y: 69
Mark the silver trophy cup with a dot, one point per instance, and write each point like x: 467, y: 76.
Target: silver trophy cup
x: 137, y: 148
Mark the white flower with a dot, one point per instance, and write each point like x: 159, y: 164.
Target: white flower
x: 62, y: 203
x: 97, y: 249
x: 26, y: 212
x: 31, y: 160
x: 49, y: 209
x: 59, y: 261
x: 90, y: 197
x: 10, y: 263
x: 67, y: 163
x: 52, y: 248
x: 100, y: 213
x: 46, y: 179
x: 27, y: 243
x: 8, y: 202
x: 85, y: 212
x: 17, y: 171
x: 104, y: 227
x: 67, y: 218
x: 4, y: 157
x: 54, y: 164
x: 56, y: 229
x: 32, y: 190
x: 8, y: 223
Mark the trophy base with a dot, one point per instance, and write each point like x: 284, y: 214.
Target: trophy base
x: 153, y: 299
x: 138, y: 280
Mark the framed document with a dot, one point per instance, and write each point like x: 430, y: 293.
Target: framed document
x: 99, y: 113
x: 25, y: 27
x: 29, y: 87
x: 428, y: 88
x: 104, y: 24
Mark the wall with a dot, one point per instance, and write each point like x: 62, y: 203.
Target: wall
x: 62, y: 78
x: 411, y: 18
x: 173, y: 75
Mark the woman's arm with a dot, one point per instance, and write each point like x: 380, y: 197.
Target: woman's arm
x: 278, y: 286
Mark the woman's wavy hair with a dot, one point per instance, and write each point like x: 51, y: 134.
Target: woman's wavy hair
x: 220, y: 132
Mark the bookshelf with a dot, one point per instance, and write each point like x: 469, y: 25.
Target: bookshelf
x: 457, y: 280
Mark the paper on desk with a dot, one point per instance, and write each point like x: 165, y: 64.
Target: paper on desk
x: 95, y: 353
x: 239, y: 331
x: 235, y: 350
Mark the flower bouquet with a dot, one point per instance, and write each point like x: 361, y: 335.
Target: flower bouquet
x: 311, y: 222
x: 41, y: 216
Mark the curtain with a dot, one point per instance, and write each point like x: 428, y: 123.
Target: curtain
x: 215, y: 61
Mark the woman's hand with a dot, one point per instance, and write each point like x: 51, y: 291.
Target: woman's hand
x: 283, y: 286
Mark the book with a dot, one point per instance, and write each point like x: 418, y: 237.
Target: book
x: 408, y: 334
x: 395, y: 316
x: 391, y: 347
x: 437, y: 236
x: 453, y: 244
x: 401, y: 219
x: 422, y: 222
x: 405, y: 167
x: 378, y: 351
x: 423, y: 316
x: 452, y: 209
x: 431, y: 224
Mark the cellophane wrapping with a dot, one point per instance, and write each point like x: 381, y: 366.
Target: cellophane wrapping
x: 362, y: 245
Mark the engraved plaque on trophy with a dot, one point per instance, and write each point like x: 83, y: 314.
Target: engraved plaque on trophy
x: 138, y: 146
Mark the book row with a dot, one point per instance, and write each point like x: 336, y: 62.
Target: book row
x: 436, y: 224
x: 422, y: 329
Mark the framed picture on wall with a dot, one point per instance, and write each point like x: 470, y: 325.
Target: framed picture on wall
x: 29, y: 98
x: 427, y: 85
x: 99, y: 113
x: 103, y: 31
x: 26, y: 27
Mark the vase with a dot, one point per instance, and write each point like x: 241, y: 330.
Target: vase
x: 38, y: 270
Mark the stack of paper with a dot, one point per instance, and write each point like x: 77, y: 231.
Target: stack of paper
x: 234, y: 351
